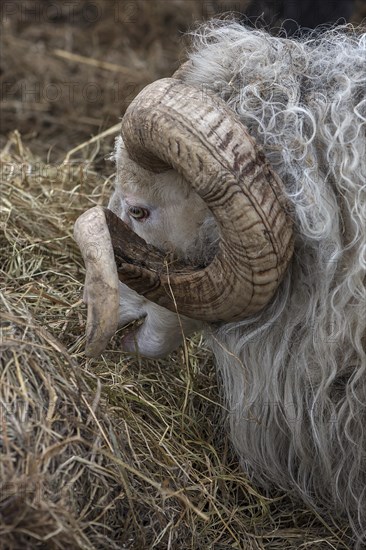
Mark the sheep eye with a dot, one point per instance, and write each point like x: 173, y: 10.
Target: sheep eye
x: 138, y: 213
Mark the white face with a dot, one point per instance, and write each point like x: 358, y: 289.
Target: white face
x: 160, y: 208
x: 163, y: 210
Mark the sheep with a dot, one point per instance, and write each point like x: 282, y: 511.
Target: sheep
x: 292, y: 359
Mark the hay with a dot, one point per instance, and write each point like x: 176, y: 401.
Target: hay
x: 116, y: 452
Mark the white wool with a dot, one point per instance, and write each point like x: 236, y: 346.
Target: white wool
x: 294, y: 376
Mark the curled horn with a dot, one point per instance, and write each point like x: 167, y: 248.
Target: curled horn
x: 174, y: 125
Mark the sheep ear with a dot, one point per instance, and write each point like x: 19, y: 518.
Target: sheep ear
x: 101, y: 291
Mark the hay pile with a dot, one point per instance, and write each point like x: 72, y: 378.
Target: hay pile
x: 116, y: 452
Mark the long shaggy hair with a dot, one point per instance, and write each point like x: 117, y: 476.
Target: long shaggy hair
x: 294, y: 376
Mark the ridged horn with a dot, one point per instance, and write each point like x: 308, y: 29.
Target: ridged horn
x: 171, y: 124
x: 101, y: 290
